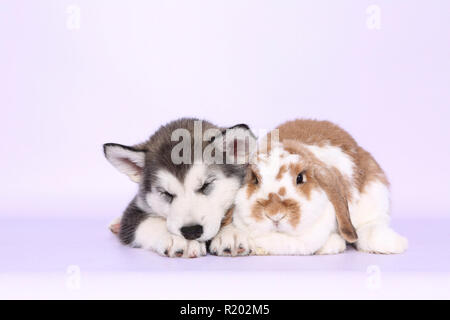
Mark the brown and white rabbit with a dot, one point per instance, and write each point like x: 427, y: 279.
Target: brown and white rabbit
x: 310, y: 193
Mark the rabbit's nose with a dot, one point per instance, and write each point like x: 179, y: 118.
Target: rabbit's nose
x: 276, y: 217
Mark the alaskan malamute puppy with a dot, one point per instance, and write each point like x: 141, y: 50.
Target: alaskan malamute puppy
x: 188, y: 174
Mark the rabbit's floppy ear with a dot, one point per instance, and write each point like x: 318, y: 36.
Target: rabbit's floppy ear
x: 335, y: 191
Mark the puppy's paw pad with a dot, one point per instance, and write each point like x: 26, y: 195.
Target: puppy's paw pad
x: 179, y: 253
x: 243, y: 248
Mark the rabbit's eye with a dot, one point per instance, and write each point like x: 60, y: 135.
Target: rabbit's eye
x: 301, y: 178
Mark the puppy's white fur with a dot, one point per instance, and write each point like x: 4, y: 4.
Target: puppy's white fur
x: 191, y: 207
x: 162, y: 233
x: 152, y: 234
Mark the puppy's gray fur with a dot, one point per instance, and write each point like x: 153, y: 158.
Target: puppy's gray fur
x: 151, y: 210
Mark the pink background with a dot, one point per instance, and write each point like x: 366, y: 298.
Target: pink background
x: 131, y: 66
x: 134, y: 65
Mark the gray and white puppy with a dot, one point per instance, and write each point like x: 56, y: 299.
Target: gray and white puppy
x: 181, y: 204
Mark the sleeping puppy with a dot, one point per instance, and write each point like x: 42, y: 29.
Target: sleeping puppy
x: 188, y: 174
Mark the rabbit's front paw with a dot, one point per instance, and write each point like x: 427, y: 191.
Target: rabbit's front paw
x: 230, y: 242
x: 335, y: 244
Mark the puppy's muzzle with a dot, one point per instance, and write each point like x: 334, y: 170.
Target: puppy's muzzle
x: 192, y: 232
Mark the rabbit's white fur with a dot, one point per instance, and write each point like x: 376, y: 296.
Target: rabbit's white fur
x: 306, y: 223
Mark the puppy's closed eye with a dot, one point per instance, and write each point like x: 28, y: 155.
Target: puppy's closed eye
x: 166, y: 195
x: 206, y: 187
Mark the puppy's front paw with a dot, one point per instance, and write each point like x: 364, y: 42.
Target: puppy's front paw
x: 177, y: 247
x: 152, y: 234
x: 172, y: 246
x: 195, y: 249
x: 230, y: 242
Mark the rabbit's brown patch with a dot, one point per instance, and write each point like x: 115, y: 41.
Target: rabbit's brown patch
x: 305, y: 189
x: 309, y: 161
x: 275, y: 205
x: 281, y: 172
x: 257, y: 211
x: 282, y: 191
x: 322, y: 133
x: 228, y: 218
x: 252, y: 181
x: 370, y: 171
x: 331, y: 182
x: 328, y: 179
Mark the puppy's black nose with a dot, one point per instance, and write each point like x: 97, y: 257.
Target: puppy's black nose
x: 192, y: 232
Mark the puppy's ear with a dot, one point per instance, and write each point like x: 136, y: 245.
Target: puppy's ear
x: 126, y: 159
x: 333, y: 187
x: 238, y: 143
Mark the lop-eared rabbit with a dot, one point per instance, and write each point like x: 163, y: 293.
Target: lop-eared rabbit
x: 310, y: 193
